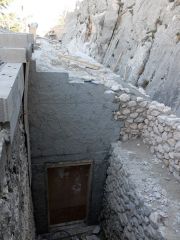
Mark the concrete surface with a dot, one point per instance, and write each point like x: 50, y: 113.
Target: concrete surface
x: 69, y: 122
x: 11, y: 93
x: 16, y: 47
x: 16, y: 40
x: 13, y: 55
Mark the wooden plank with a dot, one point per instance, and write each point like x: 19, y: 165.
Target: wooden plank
x: 80, y: 62
x: 68, y: 189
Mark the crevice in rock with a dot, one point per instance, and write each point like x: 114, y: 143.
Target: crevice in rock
x: 115, y: 26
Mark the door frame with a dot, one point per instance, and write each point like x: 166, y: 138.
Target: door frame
x: 70, y: 164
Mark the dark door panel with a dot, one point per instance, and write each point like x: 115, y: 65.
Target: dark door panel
x: 68, y: 193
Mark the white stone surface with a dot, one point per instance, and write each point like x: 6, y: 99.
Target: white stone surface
x: 11, y: 93
x: 16, y: 40
x: 13, y: 55
x: 138, y: 39
x: 16, y: 47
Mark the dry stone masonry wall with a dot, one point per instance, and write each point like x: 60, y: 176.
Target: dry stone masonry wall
x: 136, y: 204
x: 155, y: 123
x: 126, y: 216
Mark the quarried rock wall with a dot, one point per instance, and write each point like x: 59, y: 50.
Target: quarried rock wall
x: 140, y: 40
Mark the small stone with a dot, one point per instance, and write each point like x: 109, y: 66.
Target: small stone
x: 130, y: 120
x: 164, y: 136
x: 132, y: 104
x: 171, y: 155
x: 96, y: 229
x: 160, y: 148
x: 176, y: 161
x: 156, y: 129
x: 155, y: 113
x: 116, y: 87
x: 154, y: 217
x: 161, y: 129
x: 140, y: 110
x: 140, y: 126
x: 150, y: 117
x: 134, y: 126
x: 170, y: 135
x: 140, y: 99
x: 177, y: 146
x: 143, y: 104
x: 171, y: 142
x: 166, y: 156
x: 166, y: 148
x: 126, y: 111
x: 134, y: 115
x: 139, y: 120
x: 146, y: 121
x: 135, y: 132
x: 124, y: 97
x: 177, y: 135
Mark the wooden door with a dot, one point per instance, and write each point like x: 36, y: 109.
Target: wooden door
x: 68, y: 188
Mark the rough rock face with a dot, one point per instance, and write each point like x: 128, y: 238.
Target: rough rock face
x: 138, y: 39
x: 16, y: 215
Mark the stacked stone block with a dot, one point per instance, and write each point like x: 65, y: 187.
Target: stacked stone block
x: 133, y: 111
x: 125, y: 214
x: 162, y: 133
x: 155, y: 124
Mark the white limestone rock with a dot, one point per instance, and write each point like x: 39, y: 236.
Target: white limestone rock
x: 177, y: 147
x: 124, y: 97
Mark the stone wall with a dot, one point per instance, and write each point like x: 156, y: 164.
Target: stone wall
x: 138, y: 203
x: 16, y: 218
x: 155, y: 124
x: 125, y: 215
